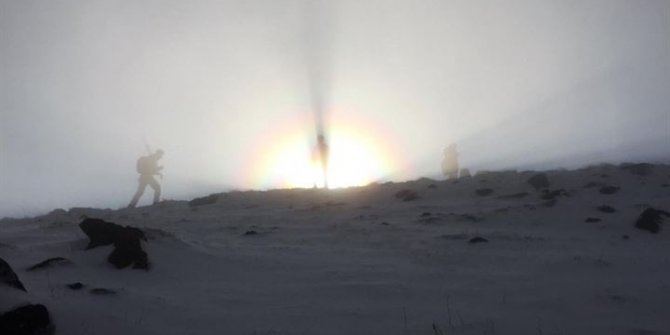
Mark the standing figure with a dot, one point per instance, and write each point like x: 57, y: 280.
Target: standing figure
x: 450, y: 162
x: 147, y: 167
x: 322, y: 156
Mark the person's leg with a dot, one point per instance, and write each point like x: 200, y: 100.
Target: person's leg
x: 157, y: 189
x: 140, y: 190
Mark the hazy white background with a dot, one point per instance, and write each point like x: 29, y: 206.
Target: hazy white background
x: 517, y: 84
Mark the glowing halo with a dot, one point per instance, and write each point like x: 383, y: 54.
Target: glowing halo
x: 359, y: 154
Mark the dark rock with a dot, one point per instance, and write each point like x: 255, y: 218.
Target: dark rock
x: 591, y: 219
x: 477, y: 239
x: 551, y: 195
x: 430, y: 219
x: 102, y: 291
x: 593, y: 184
x: 606, y: 209
x: 126, y: 240
x: 650, y: 220
x: 208, y: 200
x: 9, y: 277
x: 609, y: 189
x: 25, y: 320
x: 641, y: 169
x: 465, y: 173
x: 454, y: 236
x: 385, y: 223
x: 539, y: 181
x: 433, y: 186
x: 468, y: 217
x: 482, y: 192
x: 407, y: 195
x: 625, y: 237
x: 48, y: 263
x: 425, y: 214
x: 128, y: 251
x: 75, y: 286
x: 250, y: 233
x: 514, y: 196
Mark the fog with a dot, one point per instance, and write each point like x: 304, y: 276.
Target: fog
x: 88, y: 85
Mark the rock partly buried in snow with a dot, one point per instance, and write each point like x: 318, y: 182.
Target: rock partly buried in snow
x: 102, y: 291
x: 592, y: 219
x: 477, y: 239
x: 650, y: 220
x: 49, y: 263
x: 482, y: 192
x: 514, y: 196
x: 26, y: 320
x: 642, y: 169
x: 8, y: 276
x: 407, y: 195
x: 208, y: 200
x: 609, y: 189
x: 539, y: 181
x: 75, y: 286
x: 606, y: 209
x: 127, y: 242
x: 551, y: 195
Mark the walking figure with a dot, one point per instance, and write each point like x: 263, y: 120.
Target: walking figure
x: 322, y: 153
x: 147, y: 167
x: 450, y: 162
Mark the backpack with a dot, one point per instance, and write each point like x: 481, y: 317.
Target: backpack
x: 144, y: 165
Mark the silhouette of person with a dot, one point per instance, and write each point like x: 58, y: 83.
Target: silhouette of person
x: 450, y: 162
x: 322, y: 156
x: 147, y: 167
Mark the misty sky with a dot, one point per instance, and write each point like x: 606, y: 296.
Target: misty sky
x: 516, y: 84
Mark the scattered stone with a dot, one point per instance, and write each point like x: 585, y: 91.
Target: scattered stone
x: 665, y: 185
x: 432, y: 186
x: 250, y: 233
x: 625, y: 237
x: 25, y: 320
x: 468, y: 217
x: 425, y: 214
x: 609, y: 189
x: 606, y: 209
x: 641, y: 169
x: 514, y: 196
x: 454, y: 236
x: 477, y: 239
x: 385, y: 223
x: 430, y: 219
x: 551, y: 195
x: 593, y: 184
x: 482, y: 192
x: 75, y: 286
x: 48, y: 263
x: 407, y: 195
x: 126, y: 241
x: 208, y: 200
x: 102, y: 291
x: 539, y: 181
x: 592, y: 219
x: 9, y: 277
x: 650, y: 220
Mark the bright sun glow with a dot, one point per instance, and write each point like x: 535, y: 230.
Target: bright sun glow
x: 356, y: 158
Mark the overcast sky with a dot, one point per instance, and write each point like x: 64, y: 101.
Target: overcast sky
x: 516, y: 84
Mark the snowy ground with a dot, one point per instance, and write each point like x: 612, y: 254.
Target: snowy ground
x: 361, y: 261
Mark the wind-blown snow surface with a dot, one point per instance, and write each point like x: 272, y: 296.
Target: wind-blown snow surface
x: 361, y: 261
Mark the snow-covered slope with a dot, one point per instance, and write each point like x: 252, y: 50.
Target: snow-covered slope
x: 363, y: 261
